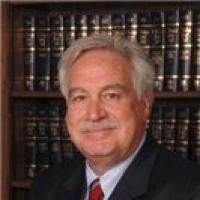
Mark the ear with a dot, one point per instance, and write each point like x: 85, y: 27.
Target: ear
x: 146, y: 106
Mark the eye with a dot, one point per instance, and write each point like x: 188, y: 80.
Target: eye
x: 78, y: 98
x: 112, y: 96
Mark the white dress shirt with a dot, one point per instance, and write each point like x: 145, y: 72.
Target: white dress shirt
x: 110, y: 178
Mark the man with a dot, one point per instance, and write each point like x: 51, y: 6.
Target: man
x: 108, y: 86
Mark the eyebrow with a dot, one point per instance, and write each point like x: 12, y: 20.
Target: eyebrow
x: 76, y: 89
x: 116, y: 86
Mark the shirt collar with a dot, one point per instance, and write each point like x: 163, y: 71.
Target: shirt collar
x: 111, y: 177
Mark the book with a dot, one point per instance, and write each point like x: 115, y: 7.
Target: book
x: 69, y: 29
x: 80, y: 26
x: 42, y: 62
x: 29, y: 52
x: 169, y: 131
x: 92, y: 24
x: 105, y: 24
x: 30, y: 133
x: 182, y: 130
x: 195, y: 68
x: 156, y: 122
x: 194, y: 128
x: 157, y: 48
x: 185, y: 45
x: 56, y: 48
x: 144, y: 30
x: 171, y: 50
x: 131, y: 25
x: 118, y: 24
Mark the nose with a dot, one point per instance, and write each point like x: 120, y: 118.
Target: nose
x: 96, y: 110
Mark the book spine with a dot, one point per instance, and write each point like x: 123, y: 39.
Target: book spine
x: 195, y: 69
x: 54, y: 131
x: 29, y: 52
x: 80, y: 26
x: 105, y: 24
x: 92, y: 24
x: 131, y: 25
x: 185, y: 42
x: 30, y: 132
x: 194, y: 128
x: 171, y: 50
x: 42, y: 53
x: 155, y: 126
x: 118, y: 24
x: 157, y: 48
x: 169, y: 122
x: 69, y: 29
x: 56, y: 46
x: 144, y: 30
x: 182, y: 131
x: 42, y: 148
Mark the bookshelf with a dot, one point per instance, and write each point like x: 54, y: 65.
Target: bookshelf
x: 15, y: 97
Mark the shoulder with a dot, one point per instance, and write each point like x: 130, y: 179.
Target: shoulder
x: 49, y: 179
x: 175, y: 173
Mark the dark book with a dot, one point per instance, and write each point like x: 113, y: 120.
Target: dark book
x: 155, y: 125
x: 195, y: 68
x: 69, y: 29
x: 92, y: 24
x: 131, y: 25
x: 29, y: 52
x: 185, y: 45
x: 105, y: 24
x: 171, y: 50
x: 118, y: 24
x: 194, y: 128
x: 55, y: 133
x: 182, y: 131
x: 30, y: 132
x: 42, y: 53
x: 169, y: 124
x: 157, y: 48
x: 144, y: 30
x: 56, y: 46
x: 80, y: 26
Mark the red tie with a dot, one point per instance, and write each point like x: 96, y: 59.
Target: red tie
x: 96, y: 192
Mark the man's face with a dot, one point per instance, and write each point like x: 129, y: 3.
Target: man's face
x: 105, y: 118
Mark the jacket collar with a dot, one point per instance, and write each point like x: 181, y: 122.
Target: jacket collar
x: 135, y: 181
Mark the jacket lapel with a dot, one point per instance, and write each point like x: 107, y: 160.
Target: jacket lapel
x: 136, y: 178
x: 73, y: 186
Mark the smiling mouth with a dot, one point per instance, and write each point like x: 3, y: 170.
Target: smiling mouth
x: 98, y: 130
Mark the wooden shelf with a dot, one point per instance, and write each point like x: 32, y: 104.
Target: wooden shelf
x: 25, y: 184
x: 58, y: 95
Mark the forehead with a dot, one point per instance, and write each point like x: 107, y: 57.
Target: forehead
x: 101, y: 60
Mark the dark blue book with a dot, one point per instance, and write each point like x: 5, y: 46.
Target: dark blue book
x: 118, y: 24
x: 157, y: 48
x: 42, y: 61
x: 185, y: 45
x: 171, y: 50
x: 195, y: 68
x: 56, y: 46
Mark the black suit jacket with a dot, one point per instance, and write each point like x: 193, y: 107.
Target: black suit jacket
x: 155, y: 174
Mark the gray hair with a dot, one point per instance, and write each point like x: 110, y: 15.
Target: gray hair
x: 142, y: 70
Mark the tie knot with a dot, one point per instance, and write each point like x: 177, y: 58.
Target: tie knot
x: 96, y: 192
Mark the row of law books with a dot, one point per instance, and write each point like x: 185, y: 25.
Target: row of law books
x: 46, y: 141
x: 177, y: 128
x: 169, y: 37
